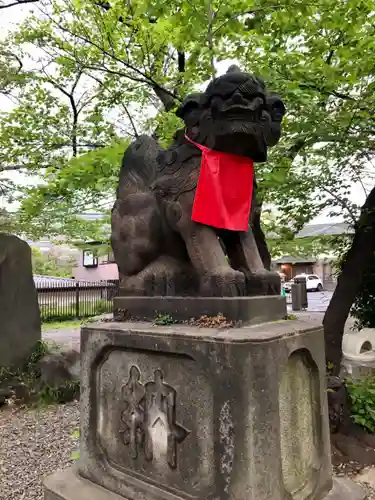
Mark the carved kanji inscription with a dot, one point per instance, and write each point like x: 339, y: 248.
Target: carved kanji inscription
x: 149, y: 418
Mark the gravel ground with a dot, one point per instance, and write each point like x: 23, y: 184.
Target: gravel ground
x: 369, y: 491
x: 33, y: 444
x: 69, y: 337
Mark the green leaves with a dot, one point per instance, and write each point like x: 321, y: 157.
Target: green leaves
x: 52, y: 263
x: 103, y: 73
x: 362, y: 396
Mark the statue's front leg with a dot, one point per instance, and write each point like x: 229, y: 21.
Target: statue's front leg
x: 243, y: 254
x: 217, y: 278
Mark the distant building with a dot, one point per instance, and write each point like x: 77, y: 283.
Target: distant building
x: 332, y: 229
x: 93, y: 265
x: 322, y: 266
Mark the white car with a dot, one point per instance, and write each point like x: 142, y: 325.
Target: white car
x: 313, y: 283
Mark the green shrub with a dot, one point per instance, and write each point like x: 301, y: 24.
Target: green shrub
x: 29, y: 370
x: 362, y: 398
x: 66, y: 392
x: 28, y: 378
x: 163, y: 319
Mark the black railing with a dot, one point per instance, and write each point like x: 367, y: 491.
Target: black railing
x: 61, y: 298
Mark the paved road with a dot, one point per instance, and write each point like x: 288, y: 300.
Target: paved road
x: 318, y: 301
x: 68, y: 336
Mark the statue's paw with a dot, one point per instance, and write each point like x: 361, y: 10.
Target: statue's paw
x: 132, y: 286
x: 164, y: 277
x: 149, y: 283
x: 225, y: 282
x: 263, y: 283
x: 274, y: 283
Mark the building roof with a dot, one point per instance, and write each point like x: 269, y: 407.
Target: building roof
x: 288, y: 259
x: 92, y: 215
x: 333, y: 229
x: 48, y: 281
x: 51, y: 282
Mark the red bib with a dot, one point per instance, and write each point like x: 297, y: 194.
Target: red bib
x: 224, y: 190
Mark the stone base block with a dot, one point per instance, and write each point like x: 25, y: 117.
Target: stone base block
x: 181, y: 413
x: 249, y: 310
x: 345, y: 489
x: 68, y: 485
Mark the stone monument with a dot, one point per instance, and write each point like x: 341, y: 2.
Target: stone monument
x: 180, y: 412
x: 19, y: 309
x: 160, y: 250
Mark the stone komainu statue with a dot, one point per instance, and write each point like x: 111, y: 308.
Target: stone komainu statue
x: 159, y: 249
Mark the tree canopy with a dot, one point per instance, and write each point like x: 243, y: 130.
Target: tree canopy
x: 87, y: 76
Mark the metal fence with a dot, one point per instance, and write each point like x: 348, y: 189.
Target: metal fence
x: 63, y: 298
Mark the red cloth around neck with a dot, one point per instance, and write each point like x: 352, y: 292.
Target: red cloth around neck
x: 224, y: 191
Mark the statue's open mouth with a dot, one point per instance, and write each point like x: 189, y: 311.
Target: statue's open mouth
x: 243, y: 113
x: 236, y: 108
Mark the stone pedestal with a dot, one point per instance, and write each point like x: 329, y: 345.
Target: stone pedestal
x: 178, y: 412
x: 248, y: 310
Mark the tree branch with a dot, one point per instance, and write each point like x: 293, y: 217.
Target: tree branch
x: 246, y: 13
x: 4, y: 168
x: 17, y: 2
x: 75, y: 113
x: 323, y: 91
x: 73, y: 105
x: 210, y: 18
x: 341, y: 202
x: 131, y: 120
x: 167, y: 98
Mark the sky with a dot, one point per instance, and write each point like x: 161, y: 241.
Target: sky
x: 11, y: 17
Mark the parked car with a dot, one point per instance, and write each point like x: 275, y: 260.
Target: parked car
x: 313, y: 283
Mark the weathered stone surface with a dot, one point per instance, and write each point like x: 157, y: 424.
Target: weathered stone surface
x: 19, y: 310
x: 367, y: 476
x: 250, y: 310
x: 159, y: 249
x: 68, y: 485
x: 298, y: 400
x: 59, y: 367
x: 178, y: 412
x: 346, y: 489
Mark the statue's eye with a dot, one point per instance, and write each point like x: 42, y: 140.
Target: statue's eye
x: 277, y: 110
x: 224, y: 96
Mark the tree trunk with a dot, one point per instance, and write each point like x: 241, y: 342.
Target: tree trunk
x: 356, y: 263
